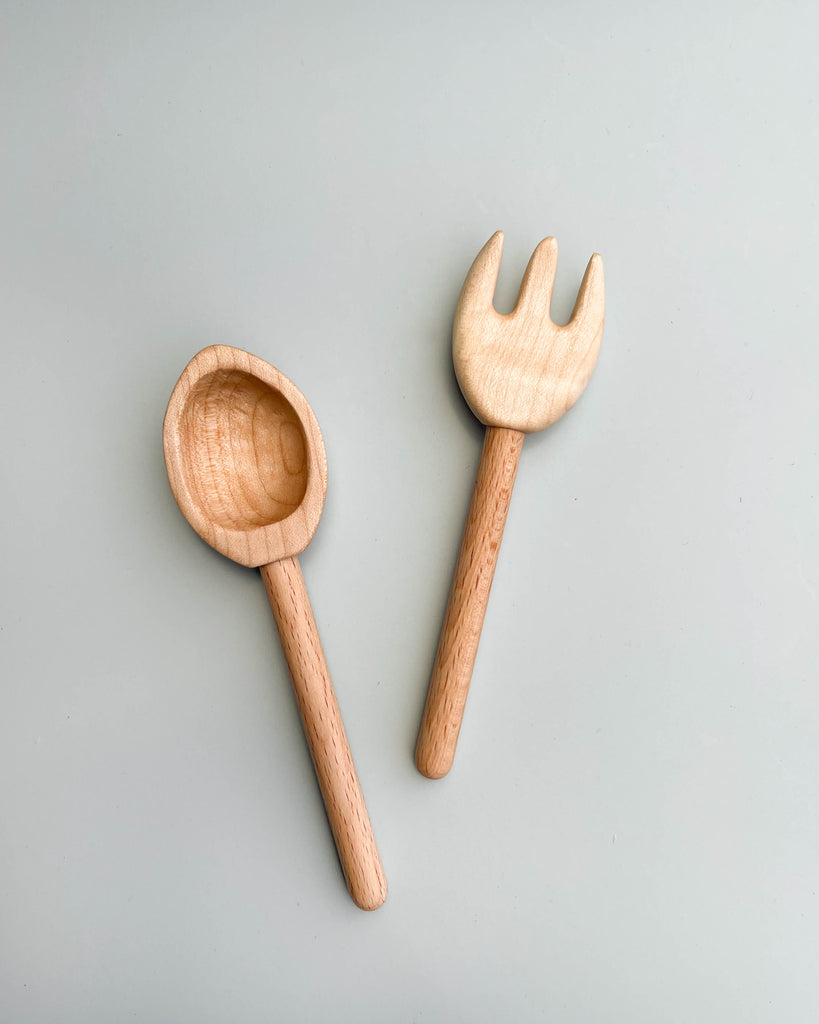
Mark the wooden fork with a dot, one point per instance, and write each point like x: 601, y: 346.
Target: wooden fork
x: 519, y: 373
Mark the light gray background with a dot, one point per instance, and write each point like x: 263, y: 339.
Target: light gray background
x: 630, y: 833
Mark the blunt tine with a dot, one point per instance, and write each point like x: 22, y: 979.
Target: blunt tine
x: 479, y: 287
x: 589, y: 309
x: 535, y: 295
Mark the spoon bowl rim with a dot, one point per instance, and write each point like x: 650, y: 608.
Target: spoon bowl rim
x: 268, y: 542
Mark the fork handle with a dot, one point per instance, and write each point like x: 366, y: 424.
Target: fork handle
x: 468, y: 597
x: 325, y: 733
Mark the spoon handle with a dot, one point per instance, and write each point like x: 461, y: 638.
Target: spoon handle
x: 468, y: 597
x: 325, y: 733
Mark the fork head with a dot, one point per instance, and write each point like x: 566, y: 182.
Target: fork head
x: 521, y: 370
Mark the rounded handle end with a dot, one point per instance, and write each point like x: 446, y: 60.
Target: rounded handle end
x: 371, y: 898
x: 430, y: 760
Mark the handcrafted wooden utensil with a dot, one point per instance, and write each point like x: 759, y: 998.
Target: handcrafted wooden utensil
x: 519, y: 373
x: 247, y: 467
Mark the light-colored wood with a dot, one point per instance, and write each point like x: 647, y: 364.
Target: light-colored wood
x: 245, y: 456
x: 519, y: 373
x: 247, y: 466
x: 521, y: 370
x: 325, y: 733
x: 468, y: 597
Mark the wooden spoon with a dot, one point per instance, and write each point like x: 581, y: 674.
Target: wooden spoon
x: 519, y: 373
x: 247, y: 466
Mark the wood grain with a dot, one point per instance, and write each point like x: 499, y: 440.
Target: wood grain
x: 468, y: 598
x: 521, y: 370
x: 246, y: 464
x: 245, y: 456
x: 326, y: 738
x: 519, y: 373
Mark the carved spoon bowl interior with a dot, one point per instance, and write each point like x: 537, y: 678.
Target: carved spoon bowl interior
x: 245, y: 457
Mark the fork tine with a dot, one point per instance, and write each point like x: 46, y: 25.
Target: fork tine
x: 590, y: 305
x: 535, y: 295
x: 478, y: 291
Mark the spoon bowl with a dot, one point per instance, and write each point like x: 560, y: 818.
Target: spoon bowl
x: 245, y: 457
x: 247, y: 466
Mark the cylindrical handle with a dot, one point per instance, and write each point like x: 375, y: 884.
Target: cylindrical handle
x: 468, y: 598
x: 326, y: 738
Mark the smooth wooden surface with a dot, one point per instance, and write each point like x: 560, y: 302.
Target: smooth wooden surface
x: 247, y: 467
x: 519, y: 373
x: 521, y: 370
x: 634, y: 839
x: 468, y: 597
x: 325, y: 733
x: 245, y: 456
